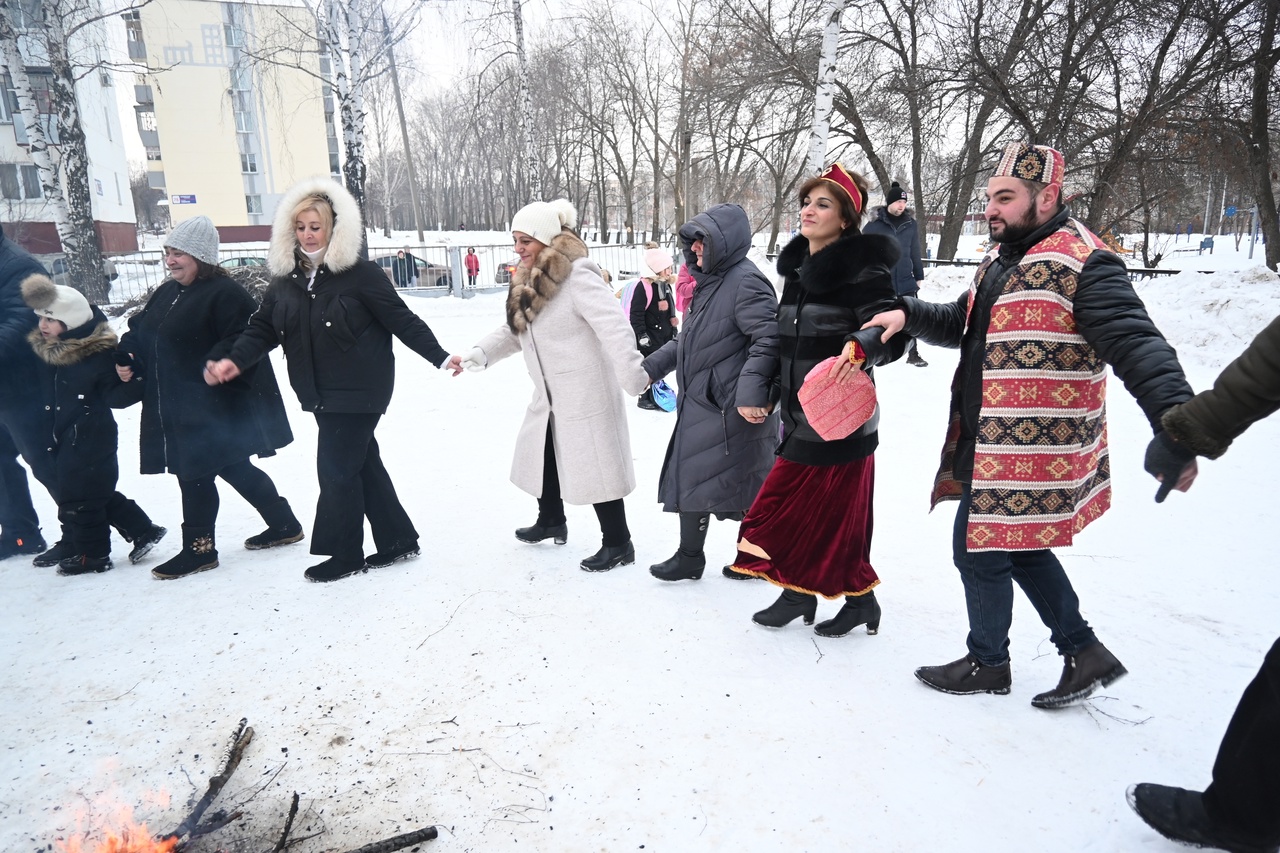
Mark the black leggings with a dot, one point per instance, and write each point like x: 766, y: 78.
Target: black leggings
x: 611, y: 514
x: 200, y: 496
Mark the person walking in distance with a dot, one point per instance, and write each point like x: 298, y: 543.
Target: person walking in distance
x: 893, y: 219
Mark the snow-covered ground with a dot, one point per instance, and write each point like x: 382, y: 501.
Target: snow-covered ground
x: 494, y: 689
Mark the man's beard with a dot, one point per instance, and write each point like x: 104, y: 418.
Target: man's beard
x: 1015, y: 232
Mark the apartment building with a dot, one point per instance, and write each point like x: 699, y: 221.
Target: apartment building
x: 23, y: 208
x: 232, y: 109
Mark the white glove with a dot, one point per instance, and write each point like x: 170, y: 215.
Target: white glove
x: 644, y: 340
x: 475, y: 360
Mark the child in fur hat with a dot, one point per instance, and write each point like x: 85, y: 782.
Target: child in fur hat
x: 78, y: 386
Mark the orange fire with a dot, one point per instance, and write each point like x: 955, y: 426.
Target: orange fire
x: 126, y: 836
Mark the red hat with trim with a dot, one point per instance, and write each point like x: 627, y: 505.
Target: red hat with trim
x: 837, y: 175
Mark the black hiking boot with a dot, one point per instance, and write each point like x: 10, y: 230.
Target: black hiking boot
x: 54, y: 555
x: 857, y: 610
x: 1082, y: 674
x: 537, y: 532
x: 789, y: 606
x: 610, y: 557
x: 83, y: 565
x: 12, y: 546
x: 1179, y: 815
x: 965, y: 676
x: 334, y: 568
x: 283, y: 528
x: 144, y: 542
x: 198, y: 554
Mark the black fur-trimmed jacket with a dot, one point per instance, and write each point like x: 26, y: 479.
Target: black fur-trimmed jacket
x: 825, y: 300
x: 77, y: 387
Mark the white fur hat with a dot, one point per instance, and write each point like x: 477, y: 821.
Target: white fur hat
x: 55, y: 301
x: 197, y: 237
x: 543, y: 220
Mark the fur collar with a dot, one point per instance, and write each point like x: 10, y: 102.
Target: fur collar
x: 533, y: 287
x: 65, y: 351
x: 839, y: 263
x: 348, y: 229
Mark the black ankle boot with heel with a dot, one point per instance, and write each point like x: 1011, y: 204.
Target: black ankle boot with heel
x: 689, y: 561
x: 538, y: 531
x: 789, y: 606
x: 857, y: 610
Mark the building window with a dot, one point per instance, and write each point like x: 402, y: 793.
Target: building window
x: 244, y: 122
x: 106, y: 118
x: 20, y: 182
x: 8, y: 100
x: 232, y: 36
x: 253, y: 204
x: 153, y: 153
x: 31, y: 187
x: 248, y: 162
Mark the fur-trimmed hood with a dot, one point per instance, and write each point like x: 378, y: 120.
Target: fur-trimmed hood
x: 837, y: 264
x: 533, y: 287
x: 348, y: 228
x: 68, y: 350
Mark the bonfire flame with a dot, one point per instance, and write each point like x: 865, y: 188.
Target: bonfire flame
x: 127, y: 836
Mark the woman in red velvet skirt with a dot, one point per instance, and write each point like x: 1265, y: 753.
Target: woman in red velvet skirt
x: 809, y: 529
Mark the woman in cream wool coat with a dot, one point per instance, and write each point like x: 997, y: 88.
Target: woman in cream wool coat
x: 574, y: 444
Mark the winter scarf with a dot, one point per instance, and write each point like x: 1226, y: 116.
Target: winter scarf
x: 533, y: 287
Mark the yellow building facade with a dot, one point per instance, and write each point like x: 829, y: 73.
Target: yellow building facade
x: 233, y: 109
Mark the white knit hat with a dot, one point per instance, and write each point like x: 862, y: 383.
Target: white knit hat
x: 543, y: 220
x: 197, y: 237
x: 656, y: 260
x: 55, y: 301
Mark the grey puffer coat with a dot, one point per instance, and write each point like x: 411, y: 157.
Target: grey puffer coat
x: 726, y: 356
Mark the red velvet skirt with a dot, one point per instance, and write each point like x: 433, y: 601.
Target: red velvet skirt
x: 809, y: 529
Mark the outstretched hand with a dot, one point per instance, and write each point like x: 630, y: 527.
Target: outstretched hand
x: 893, y: 322
x: 454, y: 365
x: 1170, y: 463
x: 218, y: 372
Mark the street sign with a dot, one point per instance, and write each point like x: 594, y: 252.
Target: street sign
x: 191, y: 199
x: 1230, y: 211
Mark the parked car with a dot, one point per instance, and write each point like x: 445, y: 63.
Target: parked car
x: 235, y: 263
x: 428, y: 274
x: 56, y: 264
x: 505, y: 271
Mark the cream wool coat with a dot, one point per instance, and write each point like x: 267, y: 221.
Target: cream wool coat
x: 581, y: 355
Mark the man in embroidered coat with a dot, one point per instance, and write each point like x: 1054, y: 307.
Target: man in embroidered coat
x: 1026, y: 450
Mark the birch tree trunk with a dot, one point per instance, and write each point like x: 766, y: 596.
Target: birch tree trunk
x: 825, y: 94
x: 532, y: 168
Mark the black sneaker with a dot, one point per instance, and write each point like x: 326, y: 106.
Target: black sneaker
x: 646, y: 402
x: 916, y: 360
x: 396, y: 554
x: 54, y: 555
x: 967, y: 675
x: 334, y: 568
x: 12, y: 546
x: 82, y: 565
x: 143, y: 544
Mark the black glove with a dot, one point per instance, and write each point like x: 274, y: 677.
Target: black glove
x: 1165, y: 460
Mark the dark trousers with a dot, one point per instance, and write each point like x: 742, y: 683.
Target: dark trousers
x: 27, y: 431
x: 612, y: 515
x: 18, y: 519
x: 200, y: 497
x: 355, y: 485
x: 1245, y: 791
x: 988, y: 578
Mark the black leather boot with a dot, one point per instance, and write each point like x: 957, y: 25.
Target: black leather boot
x: 1082, y: 674
x: 610, y: 557
x: 857, y: 610
x: 788, y: 607
x: 966, y: 675
x: 283, y: 527
x: 1179, y: 815
x: 537, y: 532
x: 198, y: 554
x: 689, y: 561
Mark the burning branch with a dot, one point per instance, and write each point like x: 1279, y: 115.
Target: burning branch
x: 231, y: 756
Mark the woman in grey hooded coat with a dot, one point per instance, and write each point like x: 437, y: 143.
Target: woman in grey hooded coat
x: 726, y: 363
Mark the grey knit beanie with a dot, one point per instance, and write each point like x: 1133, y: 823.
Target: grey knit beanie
x: 197, y: 237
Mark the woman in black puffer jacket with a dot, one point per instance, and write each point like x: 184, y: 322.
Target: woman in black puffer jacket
x: 809, y: 530
x: 335, y: 315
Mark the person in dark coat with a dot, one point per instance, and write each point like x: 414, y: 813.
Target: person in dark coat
x: 77, y: 387
x: 403, y: 272
x: 1237, y: 811
x: 809, y: 529
x: 726, y: 360
x: 335, y: 316
x: 23, y: 430
x: 894, y: 220
x: 1026, y: 455
x: 195, y: 432
x: 652, y: 311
